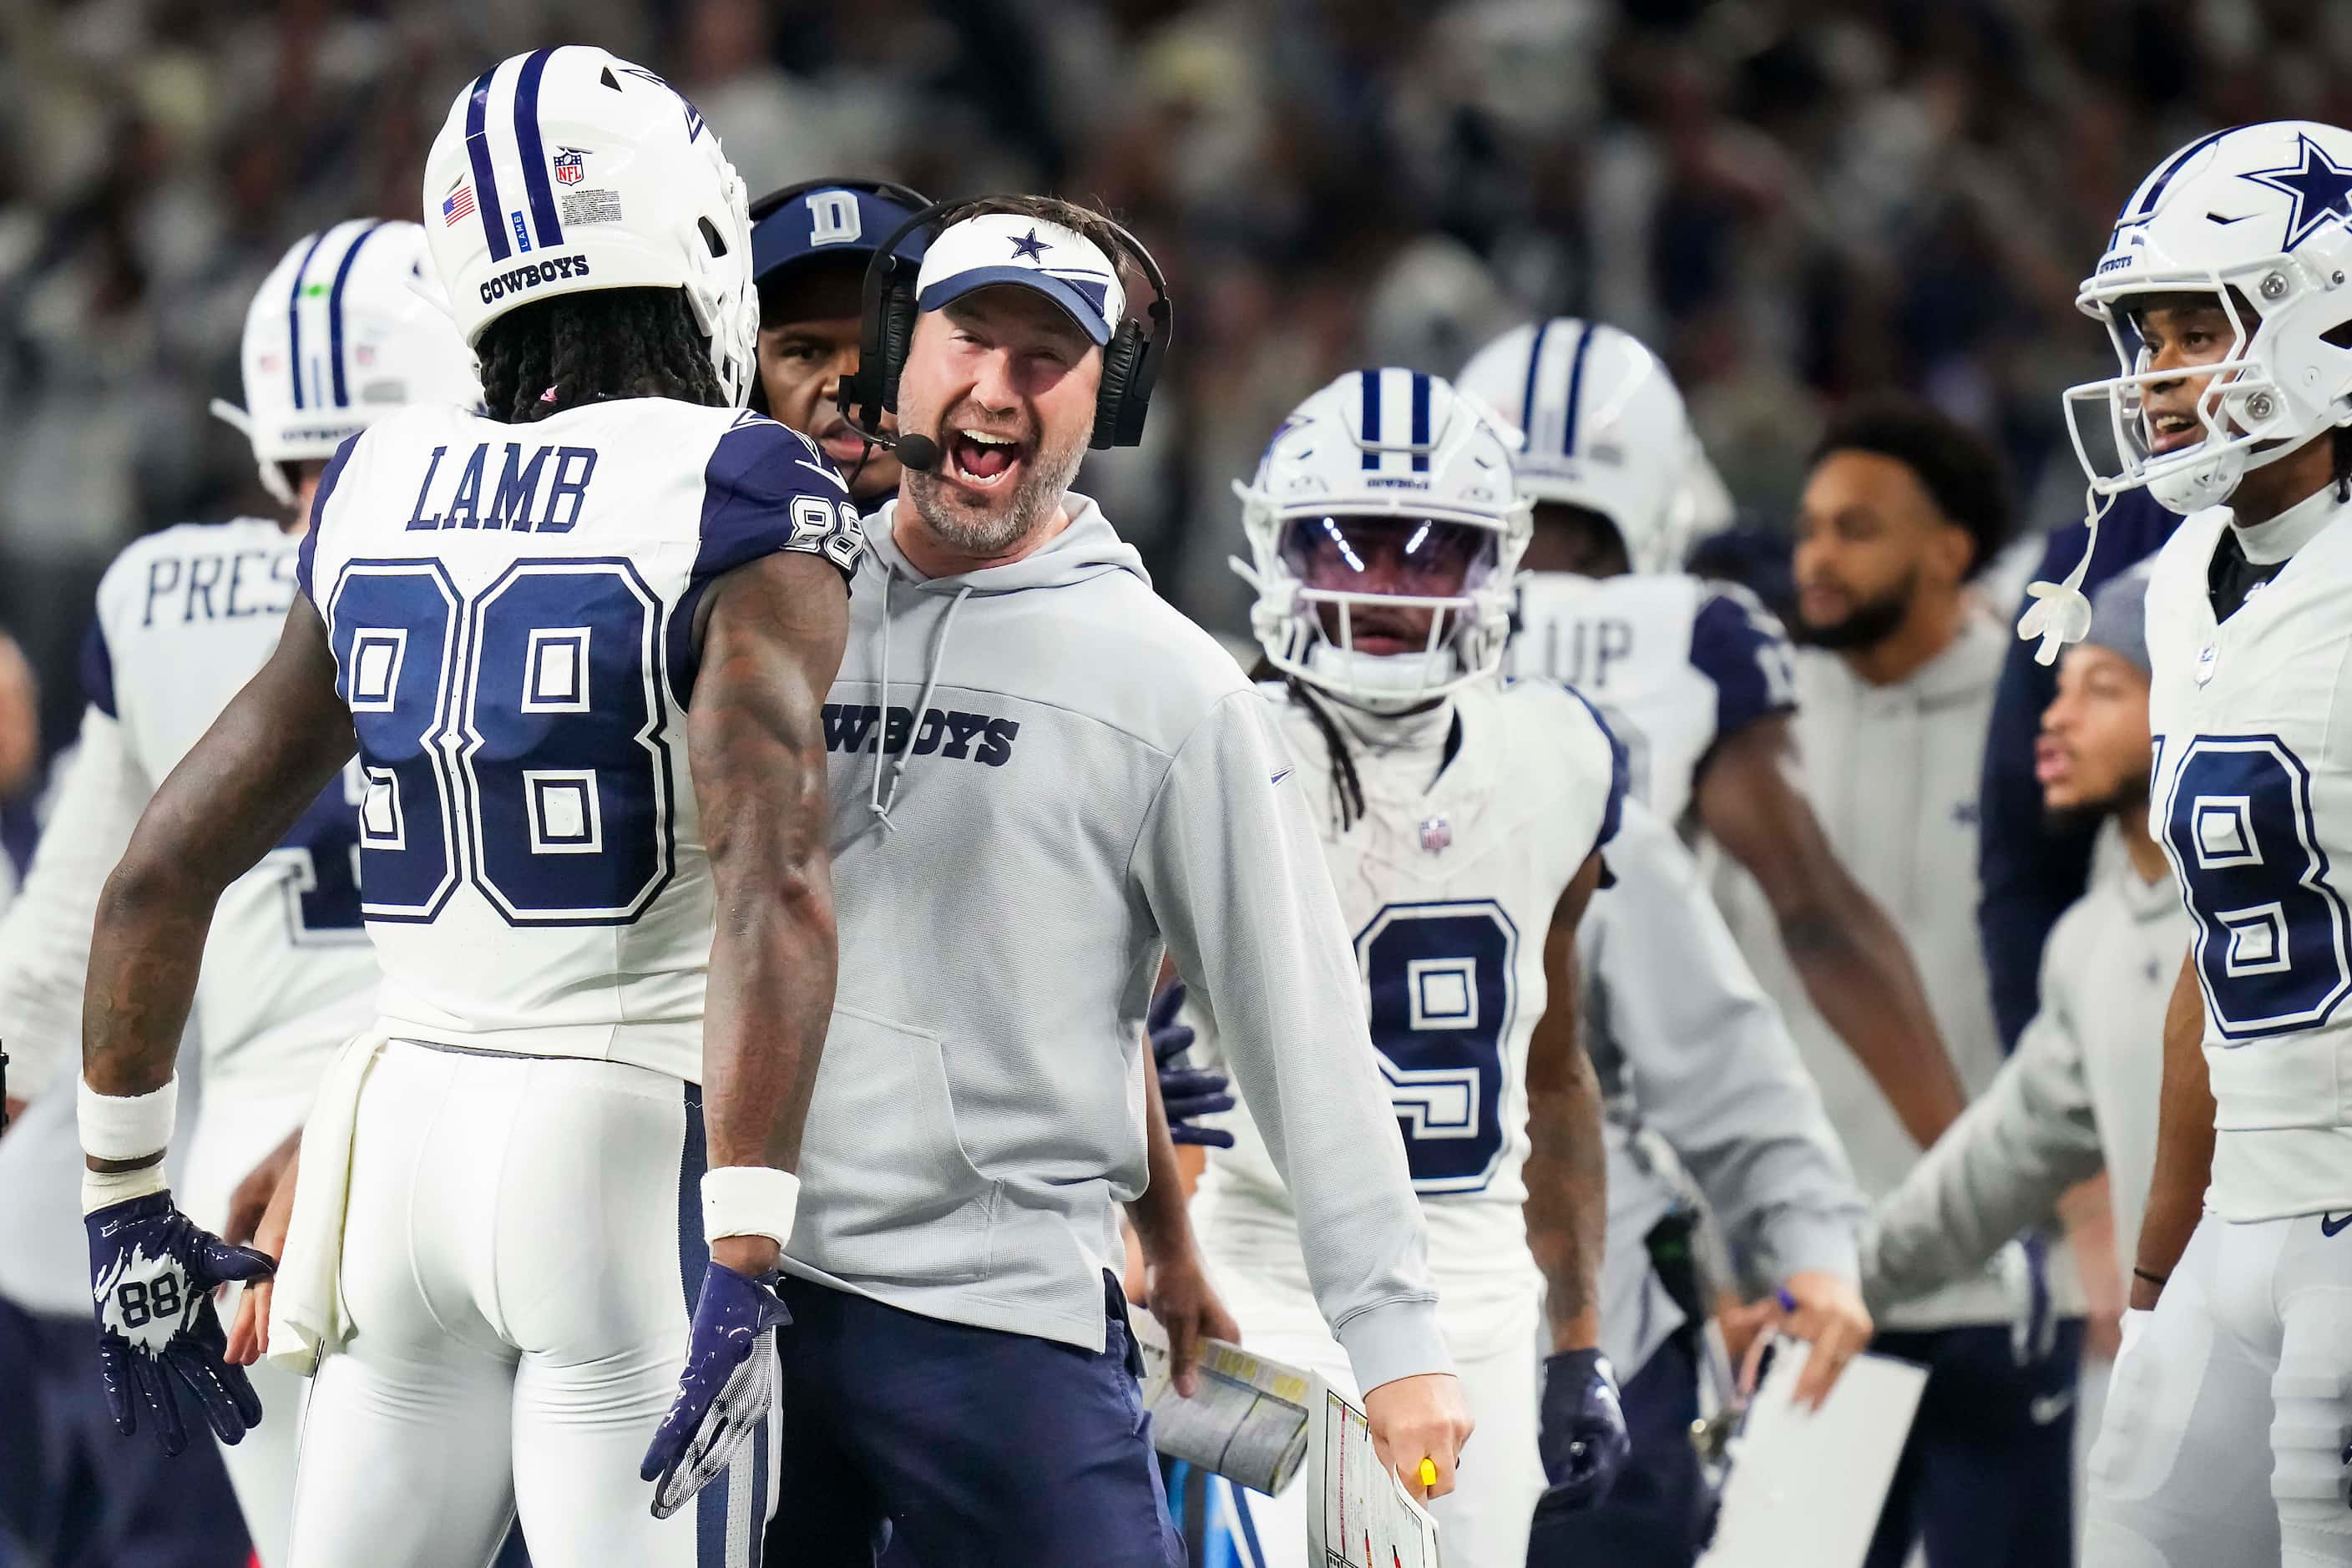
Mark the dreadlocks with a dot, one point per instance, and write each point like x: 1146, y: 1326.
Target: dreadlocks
x: 1347, y: 788
x: 552, y: 355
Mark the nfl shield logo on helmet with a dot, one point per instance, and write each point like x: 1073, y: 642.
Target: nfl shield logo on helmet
x: 568, y: 166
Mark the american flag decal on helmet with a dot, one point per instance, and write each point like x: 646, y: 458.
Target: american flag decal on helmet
x: 457, y: 207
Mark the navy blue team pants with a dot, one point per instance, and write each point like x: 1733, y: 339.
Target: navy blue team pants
x: 979, y: 1448
x: 76, y: 1493
x: 1654, y: 1515
x: 1987, y: 1480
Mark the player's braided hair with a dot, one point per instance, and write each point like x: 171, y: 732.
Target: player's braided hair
x: 1347, y: 788
x: 551, y: 354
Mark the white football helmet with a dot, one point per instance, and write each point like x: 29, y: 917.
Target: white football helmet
x: 570, y: 169
x: 2257, y: 217
x: 1384, y: 449
x: 1597, y: 424
x: 344, y: 330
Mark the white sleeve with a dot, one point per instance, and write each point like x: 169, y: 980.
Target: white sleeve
x: 1229, y: 865
x: 2002, y: 1167
x: 45, y: 936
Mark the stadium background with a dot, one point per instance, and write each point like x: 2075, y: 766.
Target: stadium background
x: 1795, y: 203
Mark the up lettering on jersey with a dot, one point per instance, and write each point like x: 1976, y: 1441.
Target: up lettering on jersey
x: 851, y: 727
x: 532, y: 274
x: 219, y: 586
x: 513, y: 494
x: 1592, y: 647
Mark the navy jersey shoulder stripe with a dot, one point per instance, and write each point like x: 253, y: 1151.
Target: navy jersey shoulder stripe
x: 98, y: 670
x: 307, y: 554
x: 535, y: 185
x: 757, y: 473
x: 1620, y: 771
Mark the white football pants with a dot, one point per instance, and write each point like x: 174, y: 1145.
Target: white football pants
x: 520, y: 1239
x: 1484, y: 1521
x: 2227, y: 1420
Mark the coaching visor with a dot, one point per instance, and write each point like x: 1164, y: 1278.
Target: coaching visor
x: 1008, y: 247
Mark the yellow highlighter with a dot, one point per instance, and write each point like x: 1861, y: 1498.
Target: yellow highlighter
x: 1428, y: 1474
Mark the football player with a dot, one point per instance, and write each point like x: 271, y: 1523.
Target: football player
x: 1695, y: 676
x: 2222, y: 288
x: 339, y: 336
x: 580, y: 642
x: 1462, y: 821
x: 810, y: 247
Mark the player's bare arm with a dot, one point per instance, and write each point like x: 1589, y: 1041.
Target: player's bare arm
x: 1568, y: 1170
x: 1176, y: 1286
x: 2184, y: 1143
x: 1581, y: 1436
x: 771, y: 644
x: 1849, y: 955
x: 233, y: 797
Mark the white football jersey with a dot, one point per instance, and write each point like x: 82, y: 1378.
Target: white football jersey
x: 1449, y: 887
x: 2251, y: 799
x: 511, y: 609
x: 1673, y: 662
x: 185, y: 617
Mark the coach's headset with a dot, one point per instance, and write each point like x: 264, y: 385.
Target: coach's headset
x: 775, y: 202
x: 1130, y: 361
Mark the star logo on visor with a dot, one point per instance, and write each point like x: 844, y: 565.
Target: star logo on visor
x: 2320, y: 189
x: 1029, y: 247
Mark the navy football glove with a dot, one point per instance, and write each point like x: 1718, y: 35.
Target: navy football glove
x: 727, y: 1389
x: 153, y: 1274
x: 1582, y: 1440
x: 1185, y: 1092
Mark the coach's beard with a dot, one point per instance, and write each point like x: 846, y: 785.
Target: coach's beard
x: 947, y: 511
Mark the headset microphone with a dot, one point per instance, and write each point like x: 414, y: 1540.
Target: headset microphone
x: 918, y: 453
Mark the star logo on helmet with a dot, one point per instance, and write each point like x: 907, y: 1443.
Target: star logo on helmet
x: 2321, y: 190
x: 1030, y: 248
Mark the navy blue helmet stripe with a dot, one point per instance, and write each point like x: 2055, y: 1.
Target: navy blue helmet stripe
x: 534, y: 155
x: 1575, y: 390
x: 1370, y: 381
x: 2172, y: 166
x: 335, y: 315
x: 1528, y: 394
x: 1420, y: 422
x: 294, y: 316
x: 477, y: 153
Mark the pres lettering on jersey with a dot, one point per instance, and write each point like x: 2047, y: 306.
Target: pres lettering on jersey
x: 514, y: 495
x: 219, y: 586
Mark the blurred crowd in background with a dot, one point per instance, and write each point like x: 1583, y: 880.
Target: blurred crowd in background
x: 1795, y: 203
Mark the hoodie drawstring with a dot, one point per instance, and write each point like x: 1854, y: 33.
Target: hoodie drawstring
x: 878, y: 800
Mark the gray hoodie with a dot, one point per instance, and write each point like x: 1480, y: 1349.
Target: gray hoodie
x: 1091, y: 780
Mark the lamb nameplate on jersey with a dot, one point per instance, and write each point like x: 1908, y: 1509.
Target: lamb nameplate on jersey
x: 516, y: 494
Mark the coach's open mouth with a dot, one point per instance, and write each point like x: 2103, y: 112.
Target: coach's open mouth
x: 984, y: 460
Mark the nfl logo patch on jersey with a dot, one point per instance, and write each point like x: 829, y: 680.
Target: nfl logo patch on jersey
x: 569, y: 167
x: 1437, y: 833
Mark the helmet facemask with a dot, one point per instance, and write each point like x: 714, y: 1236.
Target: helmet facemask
x: 2255, y: 405
x: 1389, y: 611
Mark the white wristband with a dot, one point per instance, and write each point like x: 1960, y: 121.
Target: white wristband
x: 749, y: 1200
x: 102, y: 1189
x: 126, y: 1127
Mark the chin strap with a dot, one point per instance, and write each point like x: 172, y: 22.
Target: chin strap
x: 2061, y: 612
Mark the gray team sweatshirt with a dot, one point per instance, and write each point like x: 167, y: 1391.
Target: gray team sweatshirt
x: 1090, y: 780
